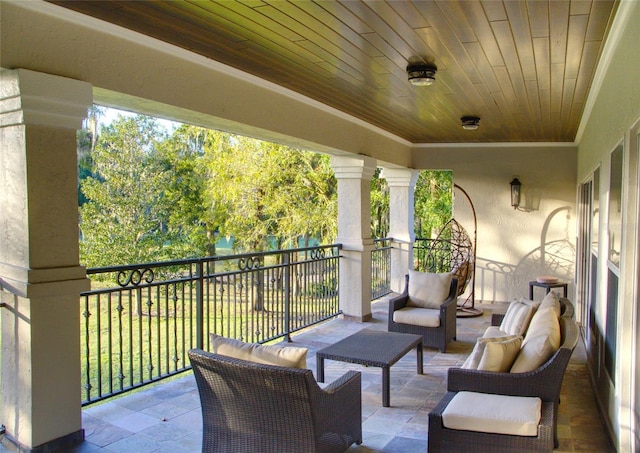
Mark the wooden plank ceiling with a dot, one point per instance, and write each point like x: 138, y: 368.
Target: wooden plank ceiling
x: 524, y: 67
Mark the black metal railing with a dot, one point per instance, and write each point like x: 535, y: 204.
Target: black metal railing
x: 381, y: 268
x: 139, y: 321
x: 432, y: 255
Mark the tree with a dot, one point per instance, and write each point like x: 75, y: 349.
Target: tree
x: 433, y: 201
x: 125, y: 216
x: 379, y: 206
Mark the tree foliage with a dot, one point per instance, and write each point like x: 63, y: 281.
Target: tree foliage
x: 433, y: 202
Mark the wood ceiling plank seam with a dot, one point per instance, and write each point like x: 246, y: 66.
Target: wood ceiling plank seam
x: 557, y: 86
x: 590, y: 56
x: 534, y: 105
x: 341, y: 74
x: 459, y: 80
x: 315, y: 31
x: 575, y: 40
x: 580, y: 7
x: 543, y: 62
x: 502, y: 74
x: 265, y: 23
x: 261, y: 35
x: 545, y: 109
x: 337, y: 9
x: 135, y: 16
x: 494, y: 10
x: 484, y: 32
x: 477, y: 55
x: 369, y: 12
x: 330, y: 25
x: 391, y: 53
x: 444, y: 40
x: 408, y: 11
x: 575, y: 117
x: 521, y: 33
x: 455, y: 14
x: 602, y: 13
x: 538, y: 18
x: 502, y: 30
x: 558, y: 30
x: 567, y: 99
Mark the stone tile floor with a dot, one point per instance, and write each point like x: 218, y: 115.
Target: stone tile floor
x: 166, y: 417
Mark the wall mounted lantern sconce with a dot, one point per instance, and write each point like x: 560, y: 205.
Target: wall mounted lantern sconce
x: 470, y: 123
x: 421, y: 74
x: 516, y: 185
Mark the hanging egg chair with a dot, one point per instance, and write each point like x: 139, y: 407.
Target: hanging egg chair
x: 454, y: 251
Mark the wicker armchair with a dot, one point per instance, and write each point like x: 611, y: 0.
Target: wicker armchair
x: 434, y: 337
x: 254, y: 407
x: 544, y: 382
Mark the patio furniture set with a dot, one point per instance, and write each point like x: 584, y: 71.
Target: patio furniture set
x: 263, y: 398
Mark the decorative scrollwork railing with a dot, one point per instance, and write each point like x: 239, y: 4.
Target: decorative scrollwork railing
x: 139, y: 321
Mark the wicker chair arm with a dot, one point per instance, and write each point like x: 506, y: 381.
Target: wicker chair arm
x: 496, y: 318
x: 349, y: 379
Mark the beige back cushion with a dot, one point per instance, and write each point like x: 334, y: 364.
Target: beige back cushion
x: 473, y: 360
x: 516, y: 320
x: 551, y: 301
x: 289, y: 356
x: 541, y: 342
x: 427, y: 290
x: 499, y: 356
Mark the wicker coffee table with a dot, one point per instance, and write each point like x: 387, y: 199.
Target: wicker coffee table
x: 372, y: 348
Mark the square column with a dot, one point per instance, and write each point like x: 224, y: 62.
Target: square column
x: 402, y: 184
x: 40, y: 275
x: 354, y: 176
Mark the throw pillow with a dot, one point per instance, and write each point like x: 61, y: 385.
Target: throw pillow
x: 473, y: 360
x: 499, y: 356
x: 551, y: 301
x: 516, y: 320
x: 428, y: 290
x: 289, y: 356
x: 541, y: 342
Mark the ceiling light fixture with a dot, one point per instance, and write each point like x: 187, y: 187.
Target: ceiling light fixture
x: 421, y: 74
x: 470, y: 123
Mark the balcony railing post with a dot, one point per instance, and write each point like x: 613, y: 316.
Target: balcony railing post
x: 200, y: 304
x: 287, y: 296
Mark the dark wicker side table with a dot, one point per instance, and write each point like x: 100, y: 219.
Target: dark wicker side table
x: 372, y: 348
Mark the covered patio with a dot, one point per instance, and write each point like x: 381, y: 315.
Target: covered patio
x: 167, y: 418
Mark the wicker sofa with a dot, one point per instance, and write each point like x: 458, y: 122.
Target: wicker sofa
x: 439, y: 327
x: 538, y: 386
x: 256, y: 407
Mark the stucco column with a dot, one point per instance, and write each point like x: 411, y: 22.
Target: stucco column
x: 354, y: 233
x: 40, y: 275
x: 402, y: 184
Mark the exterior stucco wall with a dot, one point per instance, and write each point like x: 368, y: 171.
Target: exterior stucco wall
x: 513, y: 246
x: 615, y: 119
x: 128, y: 70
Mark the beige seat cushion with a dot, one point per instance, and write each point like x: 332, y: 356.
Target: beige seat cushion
x: 428, y: 290
x: 517, y: 318
x: 474, y: 358
x: 289, y: 356
x: 541, y: 341
x: 500, y: 414
x: 424, y: 317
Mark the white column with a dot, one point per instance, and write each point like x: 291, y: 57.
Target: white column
x: 402, y: 183
x: 40, y: 275
x: 354, y: 176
